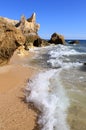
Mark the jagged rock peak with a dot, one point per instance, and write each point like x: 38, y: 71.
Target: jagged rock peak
x: 32, y: 18
x: 28, y: 26
x: 23, y: 19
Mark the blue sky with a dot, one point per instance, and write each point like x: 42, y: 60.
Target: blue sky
x: 66, y: 17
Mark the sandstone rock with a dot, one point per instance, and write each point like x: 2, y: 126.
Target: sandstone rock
x: 30, y: 41
x: 28, y: 26
x: 10, y: 39
x: 32, y: 18
x: 57, y: 39
x: 10, y: 21
x: 21, y: 51
x: 40, y: 42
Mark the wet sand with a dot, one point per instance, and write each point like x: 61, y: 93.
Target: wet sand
x: 15, y: 113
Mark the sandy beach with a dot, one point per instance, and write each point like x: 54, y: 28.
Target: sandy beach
x: 15, y: 114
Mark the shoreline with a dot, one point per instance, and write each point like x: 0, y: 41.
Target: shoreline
x: 15, y: 113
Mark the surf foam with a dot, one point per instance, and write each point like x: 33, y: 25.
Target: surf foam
x: 48, y: 95
x: 60, y: 57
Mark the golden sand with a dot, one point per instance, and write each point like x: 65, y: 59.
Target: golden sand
x: 15, y: 114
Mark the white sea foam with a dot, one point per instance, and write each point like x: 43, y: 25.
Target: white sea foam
x: 48, y: 95
x: 56, y: 63
x: 62, y: 50
x: 59, y: 57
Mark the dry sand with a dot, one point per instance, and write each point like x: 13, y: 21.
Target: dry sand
x: 15, y: 114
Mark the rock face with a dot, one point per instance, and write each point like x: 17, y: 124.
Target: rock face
x: 10, y: 39
x: 15, y: 33
x: 57, y: 39
x: 35, y: 40
x: 30, y: 41
x: 28, y: 26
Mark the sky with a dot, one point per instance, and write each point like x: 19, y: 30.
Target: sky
x: 66, y: 17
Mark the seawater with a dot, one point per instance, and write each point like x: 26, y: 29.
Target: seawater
x: 59, y: 90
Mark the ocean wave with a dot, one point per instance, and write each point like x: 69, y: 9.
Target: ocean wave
x: 49, y: 96
x: 63, y: 56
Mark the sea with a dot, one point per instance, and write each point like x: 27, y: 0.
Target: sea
x: 58, y: 91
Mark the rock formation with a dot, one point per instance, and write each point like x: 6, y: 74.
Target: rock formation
x: 15, y: 33
x: 35, y: 40
x: 39, y: 42
x: 74, y: 42
x: 10, y: 39
x: 22, y: 33
x: 32, y: 18
x: 10, y: 21
x: 28, y: 26
x: 57, y: 39
x: 30, y: 40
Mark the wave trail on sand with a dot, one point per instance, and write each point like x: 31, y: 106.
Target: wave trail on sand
x: 48, y: 95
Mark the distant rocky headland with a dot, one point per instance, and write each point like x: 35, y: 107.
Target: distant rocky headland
x: 22, y: 35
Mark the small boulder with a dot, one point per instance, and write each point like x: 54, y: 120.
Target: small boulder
x: 57, y: 39
x: 74, y: 42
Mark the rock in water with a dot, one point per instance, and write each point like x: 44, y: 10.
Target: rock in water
x: 57, y: 39
x: 74, y: 42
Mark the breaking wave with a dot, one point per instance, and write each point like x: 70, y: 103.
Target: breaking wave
x: 49, y: 96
